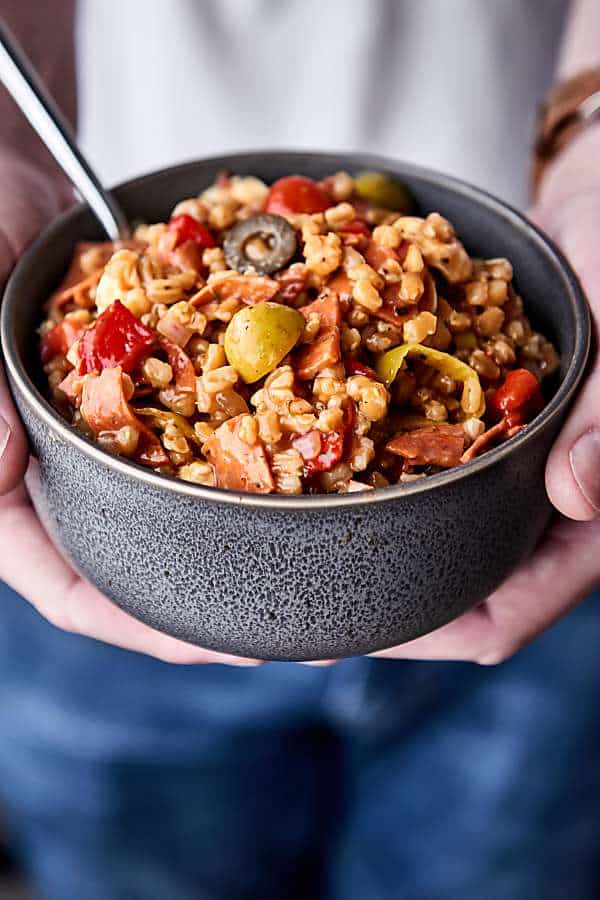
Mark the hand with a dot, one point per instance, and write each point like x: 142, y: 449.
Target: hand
x: 29, y: 562
x: 566, y: 566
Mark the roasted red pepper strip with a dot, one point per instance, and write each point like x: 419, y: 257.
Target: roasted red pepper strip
x: 116, y: 338
x: 189, y: 229
x: 334, y: 445
x: 330, y: 452
x: 332, y: 449
x: 58, y: 341
x: 517, y: 399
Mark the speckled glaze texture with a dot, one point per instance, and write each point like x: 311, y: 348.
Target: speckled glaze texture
x: 314, y: 577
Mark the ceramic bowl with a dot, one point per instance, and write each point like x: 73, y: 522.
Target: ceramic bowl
x: 304, y: 577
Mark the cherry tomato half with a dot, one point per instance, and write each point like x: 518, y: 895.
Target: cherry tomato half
x: 189, y: 229
x: 60, y: 339
x: 517, y: 399
x: 296, y: 194
x: 358, y: 226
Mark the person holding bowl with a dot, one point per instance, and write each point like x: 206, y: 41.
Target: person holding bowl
x: 125, y: 777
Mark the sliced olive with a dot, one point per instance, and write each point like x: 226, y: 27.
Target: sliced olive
x: 263, y: 243
x: 383, y: 190
x: 258, y: 337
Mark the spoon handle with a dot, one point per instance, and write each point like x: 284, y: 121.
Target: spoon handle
x: 24, y: 85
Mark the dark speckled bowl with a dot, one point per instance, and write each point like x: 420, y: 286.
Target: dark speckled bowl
x: 309, y: 577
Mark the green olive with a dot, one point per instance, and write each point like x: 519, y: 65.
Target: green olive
x: 262, y: 244
x: 258, y: 337
x: 383, y: 190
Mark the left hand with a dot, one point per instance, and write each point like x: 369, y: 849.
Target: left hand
x: 29, y: 562
x: 566, y: 566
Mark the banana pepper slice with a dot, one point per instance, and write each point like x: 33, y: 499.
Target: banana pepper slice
x: 472, y: 399
x: 160, y: 418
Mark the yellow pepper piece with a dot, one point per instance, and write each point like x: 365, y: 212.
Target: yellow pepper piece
x: 161, y: 418
x: 383, y: 190
x: 472, y: 399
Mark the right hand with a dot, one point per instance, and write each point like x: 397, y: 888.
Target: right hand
x: 29, y: 562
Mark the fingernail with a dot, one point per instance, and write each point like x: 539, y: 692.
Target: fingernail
x: 317, y: 662
x: 242, y: 661
x: 4, y: 435
x: 585, y: 465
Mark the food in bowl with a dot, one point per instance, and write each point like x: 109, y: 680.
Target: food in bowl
x: 303, y: 337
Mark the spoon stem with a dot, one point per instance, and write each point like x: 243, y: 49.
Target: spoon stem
x: 24, y: 85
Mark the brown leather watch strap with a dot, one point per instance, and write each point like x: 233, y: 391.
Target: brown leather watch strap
x: 567, y: 109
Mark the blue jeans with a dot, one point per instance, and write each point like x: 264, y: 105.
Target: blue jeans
x: 127, y: 779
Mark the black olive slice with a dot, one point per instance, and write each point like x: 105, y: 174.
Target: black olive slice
x: 262, y: 244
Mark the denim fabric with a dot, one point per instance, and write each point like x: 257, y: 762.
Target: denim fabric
x: 128, y: 779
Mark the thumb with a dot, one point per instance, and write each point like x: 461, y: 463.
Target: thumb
x: 573, y: 468
x: 14, y: 453
x: 28, y: 199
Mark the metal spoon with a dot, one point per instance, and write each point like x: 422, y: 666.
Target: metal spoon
x: 23, y: 83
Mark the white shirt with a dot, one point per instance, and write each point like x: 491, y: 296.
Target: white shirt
x: 449, y: 84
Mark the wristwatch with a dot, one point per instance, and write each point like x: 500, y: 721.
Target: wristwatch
x: 570, y: 107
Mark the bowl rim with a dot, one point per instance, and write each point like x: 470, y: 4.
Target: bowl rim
x: 18, y: 373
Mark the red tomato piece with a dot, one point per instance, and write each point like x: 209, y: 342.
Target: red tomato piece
x: 116, y: 338
x: 358, y: 226
x: 332, y: 449
x: 189, y: 229
x: 321, y: 452
x: 355, y: 367
x: 517, y: 399
x: 296, y: 194
x: 58, y: 341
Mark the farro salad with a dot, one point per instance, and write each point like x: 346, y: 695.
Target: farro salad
x: 302, y: 337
